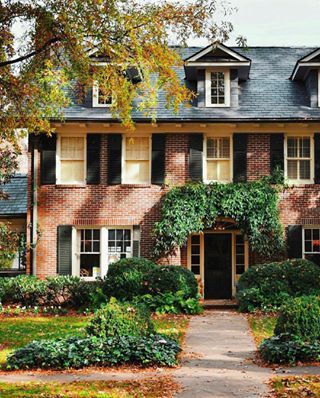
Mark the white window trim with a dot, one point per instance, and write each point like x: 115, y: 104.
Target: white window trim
x: 95, y: 97
x: 205, y: 168
x: 226, y: 85
x: 303, y: 239
x: 124, y: 179
x: 299, y: 181
x: 104, y: 239
x: 58, y: 160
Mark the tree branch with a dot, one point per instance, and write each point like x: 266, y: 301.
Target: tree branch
x: 31, y: 54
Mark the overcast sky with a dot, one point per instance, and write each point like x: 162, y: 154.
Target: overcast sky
x: 277, y: 22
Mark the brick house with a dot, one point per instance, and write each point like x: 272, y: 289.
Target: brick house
x: 95, y: 190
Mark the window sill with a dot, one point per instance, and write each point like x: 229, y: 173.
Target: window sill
x: 305, y: 184
x: 61, y: 186
x: 128, y: 185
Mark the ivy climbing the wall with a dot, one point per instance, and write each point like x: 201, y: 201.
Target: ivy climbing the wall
x: 192, y: 208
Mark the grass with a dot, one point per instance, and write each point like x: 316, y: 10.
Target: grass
x: 296, y: 387
x: 262, y: 326
x: 161, y: 387
x: 16, y: 332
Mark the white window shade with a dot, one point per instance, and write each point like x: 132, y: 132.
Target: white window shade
x: 299, y: 159
x: 137, y: 160
x: 72, y: 159
x: 218, y: 159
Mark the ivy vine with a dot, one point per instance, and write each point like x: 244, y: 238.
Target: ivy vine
x: 192, y: 208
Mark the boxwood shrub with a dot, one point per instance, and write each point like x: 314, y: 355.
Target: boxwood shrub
x: 268, y: 286
x: 125, y: 278
x: 75, y: 352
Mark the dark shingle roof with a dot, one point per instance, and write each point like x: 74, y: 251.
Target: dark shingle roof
x: 16, y: 204
x: 268, y: 94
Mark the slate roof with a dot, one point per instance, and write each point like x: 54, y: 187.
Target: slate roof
x: 269, y: 93
x: 16, y: 204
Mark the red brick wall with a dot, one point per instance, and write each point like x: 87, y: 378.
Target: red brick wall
x: 130, y: 205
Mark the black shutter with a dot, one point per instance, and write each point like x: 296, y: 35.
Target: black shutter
x: 294, y: 241
x: 136, y: 241
x: 114, y: 159
x: 276, y: 152
x: 48, y: 159
x: 317, y: 158
x: 240, y: 157
x: 93, y: 158
x: 64, y: 250
x: 158, y: 158
x: 195, y: 157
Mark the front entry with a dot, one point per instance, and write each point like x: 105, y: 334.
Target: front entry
x: 217, y: 266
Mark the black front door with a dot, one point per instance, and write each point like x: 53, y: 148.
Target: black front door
x: 217, y: 266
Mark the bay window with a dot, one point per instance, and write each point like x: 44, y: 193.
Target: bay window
x: 218, y: 166
x: 71, y: 165
x: 136, y: 160
x: 299, y: 159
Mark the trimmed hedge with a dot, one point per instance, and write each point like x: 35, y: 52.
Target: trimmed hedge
x: 77, y: 352
x: 171, y: 279
x: 125, y: 278
x: 268, y: 286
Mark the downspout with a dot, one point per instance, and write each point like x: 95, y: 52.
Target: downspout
x: 34, y: 221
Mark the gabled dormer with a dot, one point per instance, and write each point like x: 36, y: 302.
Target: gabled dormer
x: 307, y: 69
x: 217, y: 70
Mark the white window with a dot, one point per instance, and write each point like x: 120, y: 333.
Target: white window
x: 217, y: 88
x: 136, y: 160
x: 299, y: 168
x: 96, y: 248
x: 218, y: 164
x: 99, y: 98
x: 311, y: 244
x: 195, y: 254
x: 71, y: 160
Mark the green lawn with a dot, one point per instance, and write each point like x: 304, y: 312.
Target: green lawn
x: 16, y: 332
x: 147, y: 388
x: 296, y: 387
x: 262, y: 326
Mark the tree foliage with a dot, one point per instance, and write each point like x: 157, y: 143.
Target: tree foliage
x: 195, y: 207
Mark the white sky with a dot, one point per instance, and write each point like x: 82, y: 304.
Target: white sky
x: 276, y: 22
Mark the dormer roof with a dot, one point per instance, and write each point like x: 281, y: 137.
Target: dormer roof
x: 305, y: 64
x: 217, y: 55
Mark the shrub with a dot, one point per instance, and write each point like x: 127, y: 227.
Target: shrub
x: 300, y: 317
x: 79, y: 352
x: 171, y: 279
x: 169, y: 303
x: 26, y: 290
x: 117, y: 319
x: 284, y: 349
x: 125, y: 277
x: 268, y: 286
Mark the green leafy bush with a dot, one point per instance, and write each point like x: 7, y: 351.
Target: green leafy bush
x: 300, y: 317
x: 171, y: 279
x: 285, y: 349
x: 268, y: 286
x: 24, y: 289
x: 171, y: 303
x: 117, y: 319
x: 95, y: 351
x: 125, y: 278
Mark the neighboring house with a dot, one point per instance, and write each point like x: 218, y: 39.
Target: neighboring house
x: 96, y: 188
x: 13, y: 211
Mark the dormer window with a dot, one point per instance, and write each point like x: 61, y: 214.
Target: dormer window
x: 217, y: 88
x: 99, y: 99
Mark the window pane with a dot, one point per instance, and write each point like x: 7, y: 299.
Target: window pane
x: 112, y: 234
x: 96, y: 234
x: 304, y: 169
x: 195, y: 259
x: 212, y: 170
x: 305, y: 147
x: 292, y: 169
x: 72, y: 171
x: 307, y: 234
x: 96, y: 247
x: 315, y: 234
x: 223, y: 170
x: 137, y: 171
x: 127, y: 234
x: 212, y: 148
x: 195, y: 249
x: 224, y: 148
x: 88, y: 234
x: 137, y: 148
x: 239, y: 239
x: 195, y: 239
x: 72, y: 148
x: 292, y: 147
x: 308, y: 246
x: 119, y: 234
x: 196, y: 269
x: 89, y: 265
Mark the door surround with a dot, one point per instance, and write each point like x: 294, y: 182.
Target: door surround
x: 233, y: 233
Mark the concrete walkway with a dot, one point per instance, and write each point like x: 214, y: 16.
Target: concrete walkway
x: 216, y: 364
